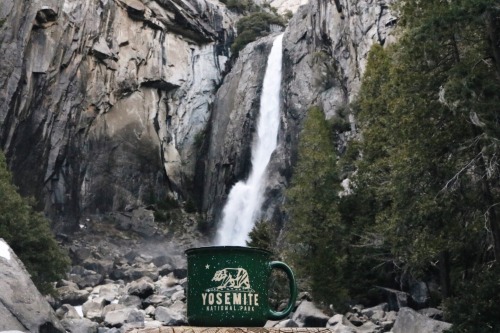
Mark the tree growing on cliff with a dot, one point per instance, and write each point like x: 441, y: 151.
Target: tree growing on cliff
x: 254, y: 26
x: 29, y: 235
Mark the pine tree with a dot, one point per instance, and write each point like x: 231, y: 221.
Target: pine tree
x: 315, y: 236
x: 28, y: 234
x: 428, y: 112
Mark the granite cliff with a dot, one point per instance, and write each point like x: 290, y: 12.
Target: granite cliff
x: 113, y: 105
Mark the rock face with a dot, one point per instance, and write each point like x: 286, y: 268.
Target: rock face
x: 22, y: 307
x: 232, y: 125
x: 114, y: 105
x: 101, y: 100
x: 325, y: 52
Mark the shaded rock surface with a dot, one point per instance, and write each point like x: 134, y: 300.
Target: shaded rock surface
x: 101, y: 100
x: 22, y: 307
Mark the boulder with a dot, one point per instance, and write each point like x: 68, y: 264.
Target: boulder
x: 410, y: 321
x: 85, y: 277
x: 92, y: 309
x: 432, y: 313
x: 308, y: 315
x: 121, y: 317
x: 81, y: 325
x: 134, y: 272
x: 376, y: 313
x: 155, y: 300
x: 339, y: 324
x: 395, y: 299
x: 72, y: 295
x: 130, y: 301
x: 169, y: 317
x: 369, y: 327
x: 67, y: 311
x: 287, y: 323
x: 109, y: 291
x: 100, y: 266
x: 419, y: 294
x: 143, y: 288
x: 22, y: 307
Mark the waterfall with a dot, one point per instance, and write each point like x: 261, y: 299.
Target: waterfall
x: 245, y: 198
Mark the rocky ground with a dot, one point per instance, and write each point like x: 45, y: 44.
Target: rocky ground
x: 122, y: 280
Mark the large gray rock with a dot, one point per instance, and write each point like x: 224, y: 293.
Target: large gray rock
x: 410, y: 321
x: 118, y: 318
x: 22, y: 307
x: 308, y: 315
x: 143, y: 287
x: 81, y: 325
x: 72, y: 295
x: 169, y: 317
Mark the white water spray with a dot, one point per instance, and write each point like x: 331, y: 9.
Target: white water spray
x: 245, y: 198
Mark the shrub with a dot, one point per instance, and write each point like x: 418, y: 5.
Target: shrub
x: 252, y: 27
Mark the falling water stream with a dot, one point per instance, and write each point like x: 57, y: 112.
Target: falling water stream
x: 245, y: 198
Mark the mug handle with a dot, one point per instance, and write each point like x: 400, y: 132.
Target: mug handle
x: 276, y: 315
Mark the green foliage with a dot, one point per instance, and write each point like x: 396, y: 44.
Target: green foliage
x: 428, y: 114
x: 262, y: 236
x: 190, y: 206
x: 477, y: 304
x: 288, y: 14
x: 2, y: 22
x: 252, y: 27
x: 315, y: 235
x: 240, y: 6
x: 28, y: 233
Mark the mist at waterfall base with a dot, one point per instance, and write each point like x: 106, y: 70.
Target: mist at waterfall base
x: 245, y: 198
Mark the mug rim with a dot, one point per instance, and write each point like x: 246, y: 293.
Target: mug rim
x: 226, y: 247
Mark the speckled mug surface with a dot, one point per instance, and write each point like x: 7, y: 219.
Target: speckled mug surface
x: 228, y: 286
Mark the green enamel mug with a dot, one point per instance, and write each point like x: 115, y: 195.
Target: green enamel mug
x: 228, y: 286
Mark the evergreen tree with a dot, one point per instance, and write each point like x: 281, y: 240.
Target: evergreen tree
x: 428, y: 112
x: 29, y: 235
x: 315, y: 237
